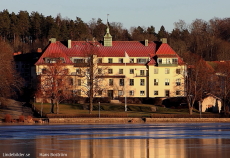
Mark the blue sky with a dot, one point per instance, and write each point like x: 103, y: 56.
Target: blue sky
x: 128, y: 12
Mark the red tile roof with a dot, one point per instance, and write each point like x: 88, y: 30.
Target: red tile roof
x: 166, y: 51
x: 132, y: 48
x: 54, y: 50
x: 216, y: 65
x: 118, y: 49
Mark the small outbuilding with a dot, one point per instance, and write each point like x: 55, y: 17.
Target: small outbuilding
x: 211, y: 103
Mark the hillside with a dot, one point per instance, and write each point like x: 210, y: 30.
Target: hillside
x: 14, y: 108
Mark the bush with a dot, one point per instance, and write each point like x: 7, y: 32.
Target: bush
x: 8, y: 118
x: 29, y: 119
x: 21, y: 118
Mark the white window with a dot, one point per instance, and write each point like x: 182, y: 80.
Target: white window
x: 120, y: 71
x: 99, y: 71
x: 167, y: 93
x: 79, y: 61
x: 167, y: 82
x: 174, y: 61
x: 121, y: 83
x: 79, y: 82
x: 142, y: 82
x: 120, y: 60
x: 110, y: 60
x: 78, y: 71
x: 142, y: 72
x: 120, y: 93
x: 178, y: 92
x: 156, y: 81
x: 156, y: 71
x: 142, y: 93
x: 111, y: 82
x: 168, y: 61
x: 110, y: 71
x: 159, y: 61
x: 178, y: 71
x: 131, y: 93
x: 131, y: 82
x: 178, y: 82
x: 167, y: 70
x: 99, y: 60
x: 131, y: 60
x: 141, y: 61
x: 131, y: 71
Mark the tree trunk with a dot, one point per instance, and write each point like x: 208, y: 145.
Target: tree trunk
x: 91, y: 85
x: 190, y: 110
x: 57, y: 107
x: 52, y: 106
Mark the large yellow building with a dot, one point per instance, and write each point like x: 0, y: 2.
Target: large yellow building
x: 121, y: 68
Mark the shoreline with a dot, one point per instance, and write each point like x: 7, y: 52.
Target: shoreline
x: 118, y: 120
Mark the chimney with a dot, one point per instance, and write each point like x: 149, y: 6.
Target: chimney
x: 164, y: 40
x: 52, y: 40
x: 146, y: 42
x: 69, y: 43
x: 39, y: 50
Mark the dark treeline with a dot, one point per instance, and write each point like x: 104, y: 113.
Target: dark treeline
x: 27, y: 32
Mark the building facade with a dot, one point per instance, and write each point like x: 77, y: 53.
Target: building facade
x: 117, y: 68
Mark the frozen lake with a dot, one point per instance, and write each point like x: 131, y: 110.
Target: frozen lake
x: 164, y: 140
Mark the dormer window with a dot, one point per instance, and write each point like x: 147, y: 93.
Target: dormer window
x: 174, y: 61
x: 131, y: 60
x: 160, y: 61
x: 120, y: 60
x: 141, y: 61
x: 54, y: 60
x: 167, y: 61
x: 79, y: 60
x: 110, y: 60
x: 99, y: 60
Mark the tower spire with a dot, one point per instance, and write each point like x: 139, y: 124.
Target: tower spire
x: 107, y: 19
x: 107, y: 29
x: 107, y: 37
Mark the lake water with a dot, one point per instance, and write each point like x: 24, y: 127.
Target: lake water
x: 161, y: 140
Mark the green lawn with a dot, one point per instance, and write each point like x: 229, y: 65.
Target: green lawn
x: 134, y: 110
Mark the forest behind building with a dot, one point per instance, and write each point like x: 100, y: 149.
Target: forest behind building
x: 28, y: 31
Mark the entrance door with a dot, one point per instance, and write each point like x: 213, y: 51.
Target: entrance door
x: 110, y: 93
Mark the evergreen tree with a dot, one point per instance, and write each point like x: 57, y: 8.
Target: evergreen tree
x: 162, y: 33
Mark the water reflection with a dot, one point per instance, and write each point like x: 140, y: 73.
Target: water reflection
x: 133, y: 148
x: 118, y: 141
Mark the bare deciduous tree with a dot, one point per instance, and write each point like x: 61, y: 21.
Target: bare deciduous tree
x: 197, y: 79
x: 92, y: 72
x: 55, y: 84
x: 223, y: 84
